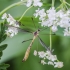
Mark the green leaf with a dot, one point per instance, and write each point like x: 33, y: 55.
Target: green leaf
x: 4, y: 37
x: 28, y: 22
x: 1, y: 53
x: 2, y: 33
x: 2, y: 47
x: 2, y: 28
x: 45, y: 4
x: 4, y: 66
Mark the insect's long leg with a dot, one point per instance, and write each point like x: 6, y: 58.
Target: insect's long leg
x: 37, y: 45
x: 19, y: 29
x: 43, y: 29
x: 28, y: 49
x: 43, y: 44
x: 33, y: 22
x: 48, y: 34
x: 26, y: 40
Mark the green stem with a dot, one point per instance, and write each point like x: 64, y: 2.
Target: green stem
x: 63, y: 2
x: 24, y: 13
x: 59, y: 7
x: 53, y: 1
x: 58, y: 60
x: 50, y: 38
x: 50, y: 28
x: 67, y: 3
x: 9, y: 7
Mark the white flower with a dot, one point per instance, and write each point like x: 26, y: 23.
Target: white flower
x: 43, y: 62
x: 41, y: 54
x: 68, y: 12
x: 51, y: 14
x: 64, y: 19
x: 48, y: 53
x: 53, y: 19
x: 35, y: 52
x: 12, y: 21
x: 50, y: 63
x: 33, y: 2
x: 64, y: 22
x: 29, y: 2
x: 47, y: 18
x: 51, y: 57
x: 54, y: 28
x: 58, y: 64
x: 4, y: 16
x: 37, y: 13
x: 40, y: 13
x: 45, y: 23
x: 67, y: 32
x: 10, y: 18
x: 11, y: 31
x: 60, y: 14
x: 37, y: 3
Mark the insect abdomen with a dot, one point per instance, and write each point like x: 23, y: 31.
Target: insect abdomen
x: 27, y: 54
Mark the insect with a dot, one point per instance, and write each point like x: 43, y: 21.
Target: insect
x: 35, y: 35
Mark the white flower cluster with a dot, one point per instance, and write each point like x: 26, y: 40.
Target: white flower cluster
x: 52, y: 59
x: 53, y: 19
x: 12, y: 26
x: 33, y: 2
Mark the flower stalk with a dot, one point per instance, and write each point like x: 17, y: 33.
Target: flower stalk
x: 53, y: 1
x: 9, y: 7
x: 51, y: 29
x: 50, y: 39
x: 25, y: 13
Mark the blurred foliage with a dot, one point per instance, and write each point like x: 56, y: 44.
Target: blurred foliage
x: 3, y: 66
x: 15, y: 51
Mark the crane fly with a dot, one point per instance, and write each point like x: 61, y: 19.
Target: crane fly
x: 35, y: 35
